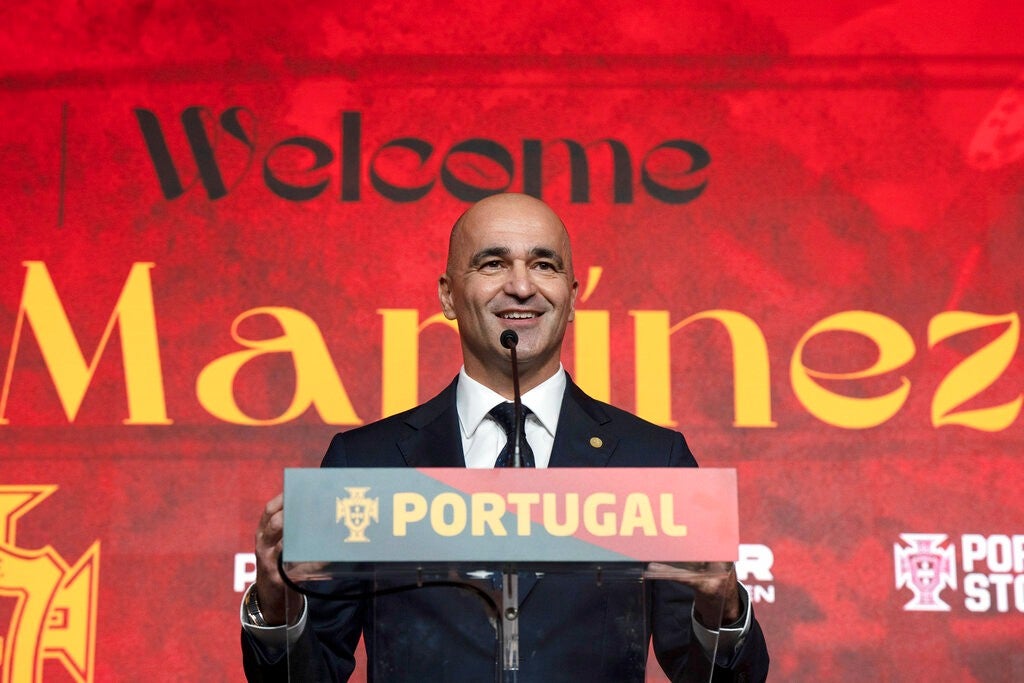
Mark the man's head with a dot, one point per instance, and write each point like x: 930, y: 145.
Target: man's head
x: 509, y: 268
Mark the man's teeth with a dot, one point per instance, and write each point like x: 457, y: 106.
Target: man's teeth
x: 518, y: 316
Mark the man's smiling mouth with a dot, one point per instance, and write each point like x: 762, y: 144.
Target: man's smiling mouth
x: 517, y: 315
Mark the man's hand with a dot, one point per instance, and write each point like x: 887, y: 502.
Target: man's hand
x: 271, y: 591
x: 717, y: 599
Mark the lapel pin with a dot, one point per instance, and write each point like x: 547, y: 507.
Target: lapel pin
x: 596, y: 442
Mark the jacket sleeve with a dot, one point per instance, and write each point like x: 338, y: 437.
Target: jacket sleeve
x: 326, y: 649
x: 676, y: 648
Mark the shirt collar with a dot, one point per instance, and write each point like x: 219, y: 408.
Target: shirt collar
x: 473, y: 401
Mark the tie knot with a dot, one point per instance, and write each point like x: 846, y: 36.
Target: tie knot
x: 505, y: 415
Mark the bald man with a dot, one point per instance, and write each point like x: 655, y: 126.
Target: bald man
x: 509, y: 267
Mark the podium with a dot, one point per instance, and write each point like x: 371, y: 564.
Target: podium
x: 511, y: 575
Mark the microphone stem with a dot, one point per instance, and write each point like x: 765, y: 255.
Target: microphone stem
x: 510, y: 579
x: 517, y: 410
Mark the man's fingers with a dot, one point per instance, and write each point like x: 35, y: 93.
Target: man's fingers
x: 270, y: 538
x: 273, y: 506
x: 271, y: 526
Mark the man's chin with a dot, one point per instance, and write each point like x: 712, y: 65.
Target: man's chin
x: 530, y: 358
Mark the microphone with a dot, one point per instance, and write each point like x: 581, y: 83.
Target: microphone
x: 509, y: 339
x: 509, y: 628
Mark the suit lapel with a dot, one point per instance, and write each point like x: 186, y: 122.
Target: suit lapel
x: 582, y: 438
x: 436, y: 440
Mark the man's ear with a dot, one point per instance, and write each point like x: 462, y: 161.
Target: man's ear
x: 444, y: 293
x: 572, y: 301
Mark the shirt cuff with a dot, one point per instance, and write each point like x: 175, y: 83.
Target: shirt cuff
x: 272, y: 641
x: 721, y: 645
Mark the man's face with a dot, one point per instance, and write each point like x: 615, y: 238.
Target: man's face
x: 509, y: 268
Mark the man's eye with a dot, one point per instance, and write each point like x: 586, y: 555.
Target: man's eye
x: 491, y: 265
x: 544, y: 265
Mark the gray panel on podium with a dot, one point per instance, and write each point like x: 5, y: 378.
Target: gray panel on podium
x: 538, y: 603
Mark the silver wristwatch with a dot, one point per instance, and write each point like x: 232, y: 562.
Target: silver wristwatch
x: 252, y: 608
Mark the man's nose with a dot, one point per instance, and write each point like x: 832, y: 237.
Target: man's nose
x: 519, y: 283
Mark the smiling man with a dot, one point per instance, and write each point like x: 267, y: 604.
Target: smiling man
x: 509, y: 267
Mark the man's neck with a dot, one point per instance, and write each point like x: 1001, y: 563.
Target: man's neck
x: 501, y: 382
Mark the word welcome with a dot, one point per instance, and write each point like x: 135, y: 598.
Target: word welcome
x: 407, y: 168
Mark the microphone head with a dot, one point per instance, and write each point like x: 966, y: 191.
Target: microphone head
x: 509, y: 339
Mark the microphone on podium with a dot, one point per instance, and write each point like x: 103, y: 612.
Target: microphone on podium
x: 510, y: 579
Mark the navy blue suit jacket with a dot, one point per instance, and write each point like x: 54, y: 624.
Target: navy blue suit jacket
x: 570, y: 628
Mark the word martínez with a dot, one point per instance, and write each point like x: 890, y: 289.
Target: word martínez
x: 318, y: 384
x: 407, y: 168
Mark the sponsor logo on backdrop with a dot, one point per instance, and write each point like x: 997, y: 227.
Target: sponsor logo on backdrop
x: 926, y: 567
x: 54, y: 602
x: 990, y: 577
x: 357, y: 511
x: 754, y: 570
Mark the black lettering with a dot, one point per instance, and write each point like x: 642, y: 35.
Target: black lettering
x: 622, y: 169
x: 470, y: 170
x: 699, y: 160
x: 579, y: 171
x: 532, y: 180
x: 322, y: 155
x: 397, y: 193
x: 198, y: 141
x: 489, y: 149
x: 351, y: 159
x: 156, y: 145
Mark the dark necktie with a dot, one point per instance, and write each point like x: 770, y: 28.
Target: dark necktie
x: 504, y: 414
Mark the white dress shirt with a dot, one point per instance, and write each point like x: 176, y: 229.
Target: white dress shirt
x: 482, y: 436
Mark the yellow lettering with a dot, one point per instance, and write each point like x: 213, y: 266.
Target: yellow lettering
x: 752, y: 404
x: 454, y: 503
x: 523, y: 502
x: 592, y: 356
x: 668, y: 522
x: 134, y: 316
x: 975, y: 373
x: 316, y: 380
x: 895, y: 349
x: 653, y: 367
x: 487, y: 509
x: 603, y: 525
x: 407, y: 508
x: 401, y: 355
x: 592, y: 345
x: 55, y: 601
x: 637, y: 514
x: 572, y: 514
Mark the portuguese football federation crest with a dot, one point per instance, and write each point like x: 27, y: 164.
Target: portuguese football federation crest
x: 357, y: 511
x: 926, y: 568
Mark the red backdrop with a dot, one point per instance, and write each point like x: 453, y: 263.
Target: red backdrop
x: 222, y: 229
